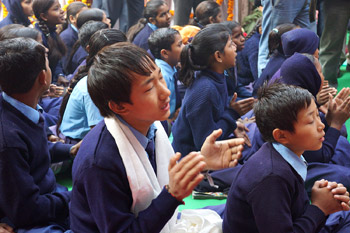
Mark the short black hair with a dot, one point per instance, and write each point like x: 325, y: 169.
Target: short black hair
x: 21, y: 61
x: 160, y: 39
x: 110, y: 77
x: 278, y: 106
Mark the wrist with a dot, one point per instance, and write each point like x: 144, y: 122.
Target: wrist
x: 168, y: 189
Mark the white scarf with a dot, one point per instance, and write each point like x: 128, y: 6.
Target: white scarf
x: 144, y: 184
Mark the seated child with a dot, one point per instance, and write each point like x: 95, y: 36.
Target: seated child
x: 165, y: 45
x: 268, y: 193
x: 78, y: 114
x: 206, y: 105
x: 125, y: 176
x: 207, y: 12
x: 155, y: 15
x: 29, y: 194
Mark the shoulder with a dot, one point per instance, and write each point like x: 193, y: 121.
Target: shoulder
x: 98, y: 150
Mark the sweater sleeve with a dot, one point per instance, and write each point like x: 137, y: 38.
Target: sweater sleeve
x: 325, y: 154
x: 21, y: 199
x: 111, y: 212
x: 205, y: 115
x: 271, y: 202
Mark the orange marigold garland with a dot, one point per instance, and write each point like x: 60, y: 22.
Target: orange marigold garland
x: 230, y: 6
x: 4, y: 11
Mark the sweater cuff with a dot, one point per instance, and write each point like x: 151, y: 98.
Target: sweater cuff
x: 332, y: 136
x: 317, y: 214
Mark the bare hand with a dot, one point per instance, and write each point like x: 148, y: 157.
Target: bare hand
x: 74, y: 149
x: 241, y: 106
x: 338, y: 111
x: 185, y: 175
x: 241, y: 132
x: 221, y: 154
x: 323, y: 95
x: 56, y: 91
x: 4, y: 228
x: 53, y: 138
x: 323, y: 197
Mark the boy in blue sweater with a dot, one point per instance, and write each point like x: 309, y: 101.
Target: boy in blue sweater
x: 29, y: 196
x: 166, y: 45
x: 273, y: 198
x: 126, y: 177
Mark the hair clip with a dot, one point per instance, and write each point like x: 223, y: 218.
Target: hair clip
x: 275, y: 30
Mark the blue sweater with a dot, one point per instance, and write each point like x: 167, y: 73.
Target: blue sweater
x: 101, y: 196
x: 247, y: 60
x: 268, y: 196
x: 141, y: 39
x: 69, y: 37
x: 205, y: 108
x: 27, y: 183
x: 16, y: 14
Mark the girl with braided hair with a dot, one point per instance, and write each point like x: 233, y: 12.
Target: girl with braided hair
x: 19, y: 11
x: 49, y: 14
x: 78, y: 113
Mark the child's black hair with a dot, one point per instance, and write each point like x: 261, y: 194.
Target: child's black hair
x: 204, y: 11
x: 278, y: 106
x: 231, y: 24
x: 275, y: 43
x: 160, y: 39
x: 21, y: 61
x: 150, y: 11
x: 73, y: 9
x: 89, y: 14
x: 25, y: 32
x: 97, y: 41
x: 111, y: 76
x: 197, y: 55
x: 5, y: 29
x: 85, y: 32
x: 258, y: 24
x: 57, y: 48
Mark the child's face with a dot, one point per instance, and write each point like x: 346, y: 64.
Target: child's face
x: 308, y: 131
x: 27, y: 6
x: 238, y: 38
x: 163, y: 17
x: 229, y: 55
x: 55, y: 15
x: 150, y: 101
x: 175, y: 52
x: 73, y: 19
x: 218, y: 18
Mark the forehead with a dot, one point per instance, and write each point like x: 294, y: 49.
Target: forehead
x: 305, y: 112
x: 237, y: 30
x: 162, y: 9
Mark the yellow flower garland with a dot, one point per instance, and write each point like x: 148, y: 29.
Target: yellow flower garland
x: 4, y: 10
x: 230, y: 6
x: 87, y: 2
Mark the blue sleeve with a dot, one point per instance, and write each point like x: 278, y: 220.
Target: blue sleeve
x: 110, y: 201
x: 59, y: 152
x: 21, y: 199
x: 92, y: 113
x: 271, y: 203
x: 325, y: 154
x: 58, y: 71
x: 203, y: 118
x: 253, y: 62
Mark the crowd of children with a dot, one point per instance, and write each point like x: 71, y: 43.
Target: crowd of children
x: 142, y: 119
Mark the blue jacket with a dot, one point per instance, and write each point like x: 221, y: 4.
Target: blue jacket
x: 101, y: 196
x: 270, y: 197
x: 141, y: 39
x: 27, y: 183
x: 69, y: 37
x: 205, y: 108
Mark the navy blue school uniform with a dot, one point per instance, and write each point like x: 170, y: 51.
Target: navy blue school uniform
x: 233, y: 85
x: 247, y: 60
x: 205, y: 108
x: 15, y: 14
x: 79, y: 56
x: 268, y: 195
x: 101, y: 196
x: 141, y: 39
x: 69, y: 36
x: 57, y: 66
x: 51, y: 107
x: 28, y: 186
x: 271, y: 68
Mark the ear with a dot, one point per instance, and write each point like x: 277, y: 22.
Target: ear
x: 211, y: 20
x: 117, y: 108
x: 217, y: 56
x: 42, y: 78
x: 43, y: 16
x: 280, y: 136
x: 164, y: 54
x: 72, y: 19
x: 152, y: 20
x: 87, y: 48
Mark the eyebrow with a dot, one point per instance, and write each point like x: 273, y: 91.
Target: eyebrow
x: 150, y: 79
